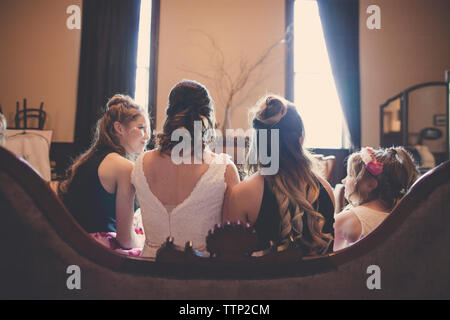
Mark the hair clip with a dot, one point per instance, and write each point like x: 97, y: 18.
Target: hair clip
x: 372, y: 165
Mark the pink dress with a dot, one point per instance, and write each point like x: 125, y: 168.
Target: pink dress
x: 108, y: 239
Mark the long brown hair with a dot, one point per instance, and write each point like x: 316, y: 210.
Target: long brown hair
x: 189, y: 101
x: 294, y: 186
x: 119, y: 108
x: 398, y: 175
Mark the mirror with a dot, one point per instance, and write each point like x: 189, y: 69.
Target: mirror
x: 424, y: 105
x: 392, y: 124
x: 417, y: 118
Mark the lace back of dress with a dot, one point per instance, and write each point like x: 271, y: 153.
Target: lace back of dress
x: 189, y: 221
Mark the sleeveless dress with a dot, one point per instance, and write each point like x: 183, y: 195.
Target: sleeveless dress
x: 188, y: 221
x: 267, y: 224
x: 369, y: 218
x: 90, y: 204
x: 94, y: 208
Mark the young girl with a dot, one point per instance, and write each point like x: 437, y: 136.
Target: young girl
x: 376, y: 180
x: 98, y: 192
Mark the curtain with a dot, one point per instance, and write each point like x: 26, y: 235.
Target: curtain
x: 340, y: 22
x: 108, y: 55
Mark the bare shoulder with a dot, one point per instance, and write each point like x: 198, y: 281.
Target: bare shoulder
x: 117, y: 164
x: 250, y: 191
x: 246, y: 199
x: 154, y: 161
x: 252, y: 183
x: 346, y: 217
x: 348, y: 224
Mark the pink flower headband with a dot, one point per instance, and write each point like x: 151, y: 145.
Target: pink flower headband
x: 371, y: 163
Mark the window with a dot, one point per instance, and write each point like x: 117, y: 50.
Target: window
x: 315, y: 92
x: 143, y: 57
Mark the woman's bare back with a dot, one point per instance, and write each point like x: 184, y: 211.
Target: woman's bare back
x: 162, y: 175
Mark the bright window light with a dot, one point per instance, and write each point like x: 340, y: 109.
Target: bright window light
x: 315, y: 92
x: 143, y: 57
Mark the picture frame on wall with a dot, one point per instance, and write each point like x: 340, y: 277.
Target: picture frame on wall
x: 440, y: 120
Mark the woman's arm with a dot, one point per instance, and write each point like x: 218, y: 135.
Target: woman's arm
x: 245, y: 200
x: 125, y: 194
x: 231, y: 179
x: 235, y: 209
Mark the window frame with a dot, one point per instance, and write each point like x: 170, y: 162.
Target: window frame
x: 153, y: 65
x: 290, y: 74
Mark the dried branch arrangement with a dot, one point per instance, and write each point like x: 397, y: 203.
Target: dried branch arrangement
x: 232, y: 87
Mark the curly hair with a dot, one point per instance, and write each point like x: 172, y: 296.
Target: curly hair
x: 189, y: 101
x: 295, y: 186
x: 399, y: 173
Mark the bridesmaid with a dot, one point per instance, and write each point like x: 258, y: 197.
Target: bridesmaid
x: 98, y: 191
x: 292, y: 203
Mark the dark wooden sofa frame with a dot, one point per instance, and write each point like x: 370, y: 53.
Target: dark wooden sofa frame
x: 50, y: 239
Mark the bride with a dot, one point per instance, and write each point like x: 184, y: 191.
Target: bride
x: 183, y: 200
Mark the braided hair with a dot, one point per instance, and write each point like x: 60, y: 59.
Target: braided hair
x: 119, y: 108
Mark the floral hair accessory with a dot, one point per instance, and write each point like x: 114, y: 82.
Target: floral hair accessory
x: 371, y: 163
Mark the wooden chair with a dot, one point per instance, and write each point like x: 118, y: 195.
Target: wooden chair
x: 23, y: 118
x: 41, y: 240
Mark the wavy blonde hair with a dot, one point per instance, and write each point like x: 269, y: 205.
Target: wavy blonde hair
x: 295, y: 186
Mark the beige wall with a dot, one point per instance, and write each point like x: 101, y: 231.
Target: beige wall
x: 39, y: 55
x: 242, y: 29
x: 39, y: 60
x: 411, y: 47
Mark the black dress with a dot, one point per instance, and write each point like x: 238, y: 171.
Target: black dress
x: 90, y: 204
x: 267, y: 224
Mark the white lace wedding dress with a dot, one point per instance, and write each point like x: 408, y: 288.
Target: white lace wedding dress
x: 190, y: 220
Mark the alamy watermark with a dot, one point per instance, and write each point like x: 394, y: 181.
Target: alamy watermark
x: 374, y: 20
x: 74, y: 20
x: 74, y: 280
x: 374, y: 281
x: 268, y: 156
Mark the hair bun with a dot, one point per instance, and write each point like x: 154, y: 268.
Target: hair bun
x: 190, y: 98
x: 189, y: 101
x: 272, y: 110
x: 116, y: 99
